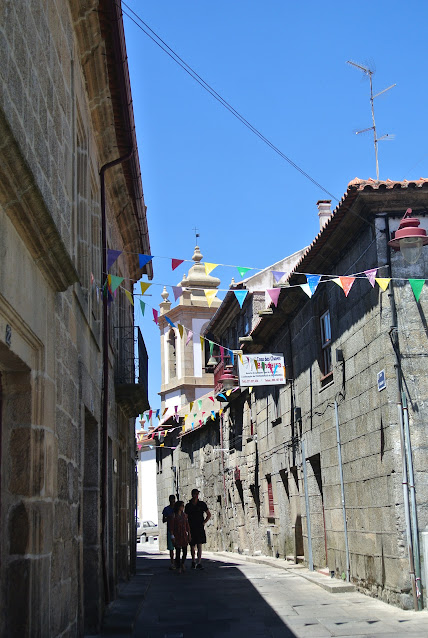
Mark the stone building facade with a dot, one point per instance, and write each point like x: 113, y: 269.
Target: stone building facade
x: 67, y: 454
x: 268, y: 465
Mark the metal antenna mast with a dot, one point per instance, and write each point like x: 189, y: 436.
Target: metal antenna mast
x: 195, y: 230
x: 376, y: 139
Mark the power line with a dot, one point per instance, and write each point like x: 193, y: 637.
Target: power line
x: 139, y: 22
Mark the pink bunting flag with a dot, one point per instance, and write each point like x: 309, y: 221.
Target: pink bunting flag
x: 212, y: 399
x: 155, y: 316
x: 274, y: 294
x: 189, y: 336
x: 371, y: 276
x: 177, y: 292
x: 347, y: 284
x: 175, y: 263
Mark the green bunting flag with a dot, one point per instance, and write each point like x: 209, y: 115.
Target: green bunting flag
x: 200, y: 404
x: 242, y: 271
x: 143, y: 307
x: 211, y: 348
x: 417, y: 285
x: 114, y: 282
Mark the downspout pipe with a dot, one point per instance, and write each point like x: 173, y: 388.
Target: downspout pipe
x: 308, y: 515
x: 393, y: 333
x: 104, y: 398
x: 342, y: 487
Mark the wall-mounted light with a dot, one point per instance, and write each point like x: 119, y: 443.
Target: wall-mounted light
x: 409, y: 239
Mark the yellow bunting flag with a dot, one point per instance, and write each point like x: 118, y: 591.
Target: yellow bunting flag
x: 144, y: 287
x: 130, y: 297
x: 185, y: 416
x: 180, y: 329
x: 162, y: 445
x: 183, y: 428
x: 338, y: 281
x: 250, y: 389
x: 228, y: 393
x: 191, y: 405
x: 383, y: 282
x: 210, y: 295
x: 209, y: 268
x: 220, y: 412
x: 165, y: 411
x: 240, y: 359
x: 202, y: 342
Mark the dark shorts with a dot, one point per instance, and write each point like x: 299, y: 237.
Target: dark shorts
x: 198, y: 536
x: 169, y: 543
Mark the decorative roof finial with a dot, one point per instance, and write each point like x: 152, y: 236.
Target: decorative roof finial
x: 165, y: 294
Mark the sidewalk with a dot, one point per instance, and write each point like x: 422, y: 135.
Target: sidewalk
x: 248, y: 596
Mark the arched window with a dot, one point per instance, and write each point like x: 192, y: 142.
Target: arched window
x: 172, y: 354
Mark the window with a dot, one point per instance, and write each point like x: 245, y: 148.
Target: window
x: 271, y: 507
x: 326, y: 343
x: 172, y: 355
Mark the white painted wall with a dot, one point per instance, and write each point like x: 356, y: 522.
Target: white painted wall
x: 173, y: 398
x: 147, y: 507
x: 197, y: 328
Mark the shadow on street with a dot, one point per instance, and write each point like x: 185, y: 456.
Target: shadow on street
x: 216, y: 602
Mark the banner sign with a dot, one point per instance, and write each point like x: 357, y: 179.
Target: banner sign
x: 261, y: 369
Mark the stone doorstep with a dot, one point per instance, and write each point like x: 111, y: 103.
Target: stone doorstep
x: 322, y: 579
x: 122, y: 613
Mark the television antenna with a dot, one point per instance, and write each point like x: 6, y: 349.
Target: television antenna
x: 369, y: 73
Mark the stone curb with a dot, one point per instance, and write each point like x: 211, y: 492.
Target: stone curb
x: 332, y: 585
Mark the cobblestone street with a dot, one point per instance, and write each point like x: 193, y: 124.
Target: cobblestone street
x: 232, y: 597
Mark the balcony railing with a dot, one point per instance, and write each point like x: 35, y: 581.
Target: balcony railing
x: 131, y: 370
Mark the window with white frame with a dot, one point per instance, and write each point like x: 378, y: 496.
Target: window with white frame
x: 326, y: 342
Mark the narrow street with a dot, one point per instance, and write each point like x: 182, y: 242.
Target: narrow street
x: 234, y: 598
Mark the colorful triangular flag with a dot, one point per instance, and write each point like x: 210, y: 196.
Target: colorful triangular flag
x: 112, y: 255
x: 115, y: 282
x: 189, y: 336
x: 347, y: 284
x: 168, y: 320
x: 212, y: 399
x: 417, y: 285
x: 191, y: 406
x: 142, y: 306
x: 144, y: 286
x: 240, y: 295
x: 201, y: 339
x: 274, y: 294
x: 232, y: 357
x: 306, y: 289
x: 144, y: 259
x: 242, y: 271
x: 277, y: 275
x: 155, y: 316
x: 199, y: 404
x: 313, y: 281
x: 211, y: 345
x: 383, y: 282
x: 129, y: 295
x: 371, y: 275
x: 177, y: 292
x: 210, y: 295
x: 209, y: 268
x: 180, y: 329
x: 175, y: 263
x: 338, y: 282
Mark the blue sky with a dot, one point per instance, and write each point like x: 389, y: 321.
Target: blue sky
x: 282, y: 65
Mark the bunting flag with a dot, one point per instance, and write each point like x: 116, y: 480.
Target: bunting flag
x: 177, y: 292
x: 275, y: 369
x: 240, y: 359
x: 242, y: 271
x: 232, y: 357
x: 240, y: 295
x: 229, y: 392
x: 144, y: 286
x: 306, y: 288
x: 191, y: 405
x: 112, y: 255
x: 150, y: 414
x: 157, y: 414
x: 223, y: 397
x: 313, y: 281
x: 274, y: 294
x: 210, y: 295
x: 263, y: 366
x: 175, y: 263
x: 256, y: 364
x: 201, y: 339
x: 211, y: 345
x: 168, y: 320
x: 155, y: 316
x: 383, y: 282
x: 371, y: 275
x: 347, y: 284
x: 209, y: 268
x: 212, y: 399
x: 417, y: 285
x: 142, y: 306
x: 212, y: 415
x: 144, y: 259
x: 200, y: 404
x: 183, y: 429
x: 114, y: 282
x: 189, y: 336
x: 130, y: 297
x: 164, y: 412
x: 277, y: 275
x: 180, y: 329
x: 337, y: 280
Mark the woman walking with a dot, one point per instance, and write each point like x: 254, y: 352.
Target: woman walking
x: 180, y: 534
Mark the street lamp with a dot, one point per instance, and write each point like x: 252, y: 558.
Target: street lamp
x: 228, y: 380
x: 409, y: 239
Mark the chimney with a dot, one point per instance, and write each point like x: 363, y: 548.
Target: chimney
x: 324, y: 211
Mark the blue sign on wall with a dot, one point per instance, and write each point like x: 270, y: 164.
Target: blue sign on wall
x: 381, y: 380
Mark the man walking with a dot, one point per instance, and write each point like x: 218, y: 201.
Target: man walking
x: 195, y: 510
x: 168, y: 511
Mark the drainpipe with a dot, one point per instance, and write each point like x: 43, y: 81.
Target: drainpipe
x: 308, y: 516
x: 342, y: 487
x: 104, y: 399
x: 224, y: 477
x: 393, y: 334
x: 417, y: 560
